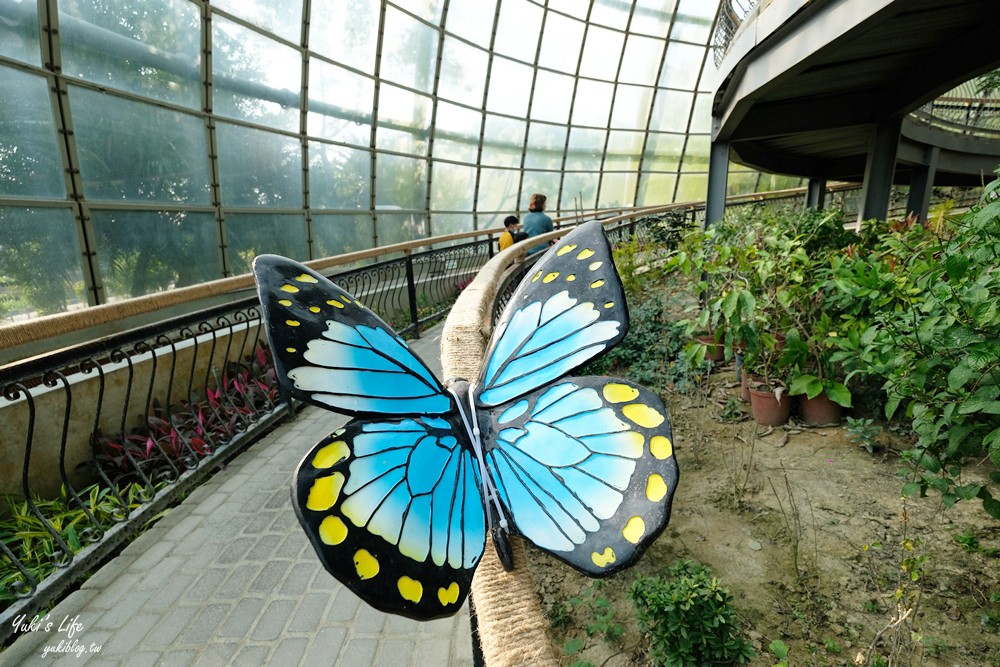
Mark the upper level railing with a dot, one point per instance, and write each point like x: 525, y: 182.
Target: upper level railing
x: 732, y: 14
x: 98, y: 436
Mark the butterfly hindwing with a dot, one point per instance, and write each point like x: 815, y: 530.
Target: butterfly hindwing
x: 585, y: 468
x: 332, y: 351
x: 570, y: 308
x: 394, y: 511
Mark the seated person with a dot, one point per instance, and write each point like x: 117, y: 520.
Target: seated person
x: 511, y: 235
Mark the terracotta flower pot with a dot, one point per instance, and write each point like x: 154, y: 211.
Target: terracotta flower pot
x: 767, y: 409
x: 820, y: 410
x: 713, y: 351
x: 745, y: 381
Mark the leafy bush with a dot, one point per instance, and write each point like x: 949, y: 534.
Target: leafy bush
x: 688, y: 618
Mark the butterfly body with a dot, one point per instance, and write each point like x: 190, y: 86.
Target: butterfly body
x: 398, y: 503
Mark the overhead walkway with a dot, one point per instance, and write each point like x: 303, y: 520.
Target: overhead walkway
x: 228, y: 577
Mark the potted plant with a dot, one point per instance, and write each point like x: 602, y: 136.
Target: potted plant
x: 815, y: 377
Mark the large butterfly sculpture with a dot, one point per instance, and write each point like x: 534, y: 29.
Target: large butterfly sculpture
x: 398, y: 503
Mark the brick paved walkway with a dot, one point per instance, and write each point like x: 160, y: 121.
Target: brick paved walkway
x: 228, y: 577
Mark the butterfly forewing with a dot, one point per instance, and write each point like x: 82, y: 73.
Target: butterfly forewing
x: 585, y: 468
x: 394, y: 511
x: 332, y: 351
x: 570, y: 308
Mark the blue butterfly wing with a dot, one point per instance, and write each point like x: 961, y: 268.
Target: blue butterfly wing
x: 571, y: 309
x: 331, y: 351
x: 394, y: 511
x: 585, y: 469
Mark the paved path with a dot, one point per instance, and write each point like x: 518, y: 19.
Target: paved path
x: 228, y: 577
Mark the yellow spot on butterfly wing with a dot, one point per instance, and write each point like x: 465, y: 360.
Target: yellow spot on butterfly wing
x: 609, y: 304
x: 605, y: 558
x: 570, y: 278
x: 596, y: 284
x: 634, y: 529
x: 291, y: 349
x: 291, y: 289
x: 292, y: 323
x: 284, y: 302
x: 586, y: 253
x: 535, y: 278
x: 660, y: 447
x: 410, y: 589
x: 643, y: 415
x: 324, y: 492
x: 335, y: 303
x: 616, y: 392
x: 595, y: 265
x: 550, y: 277
x: 365, y: 564
x: 345, y: 299
x: 313, y: 309
x: 566, y: 249
x: 448, y: 595
x: 332, y: 530
x: 656, y: 488
x: 305, y: 278
x: 331, y: 454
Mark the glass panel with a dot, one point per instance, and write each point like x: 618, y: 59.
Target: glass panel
x: 612, y: 13
x: 681, y: 67
x: 694, y: 21
x: 624, y: 149
x: 346, y: 31
x: 503, y: 141
x: 631, y: 107
x: 571, y: 7
x: 340, y: 104
x: 601, y: 53
x: 656, y: 189
x: 400, y: 227
x: 452, y: 187
x: 741, y: 183
x: 517, y: 29
x: 696, y: 153
x: 19, y: 31
x: 340, y: 234
x: 135, y: 151
x: 258, y: 168
x: 463, y: 73
x: 671, y: 111
x: 593, y: 103
x: 457, y: 133
x: 404, y: 121
x: 498, y: 190
x: 400, y: 182
x: 544, y: 183
x: 409, y: 51
x: 701, y: 118
x: 692, y: 187
x: 510, y: 87
x: 652, y: 17
x: 617, y: 189
x: 249, y: 235
x: 472, y: 20
x: 579, y: 191
x: 142, y: 252
x: 641, y: 60
x: 553, y: 94
x: 453, y: 223
x: 563, y: 53
x: 663, y: 152
x: 282, y: 17
x: 151, y: 48
x: 585, y: 149
x: 254, y: 78
x: 339, y: 177
x: 429, y: 10
x: 39, y: 263
x: 546, y: 144
x: 30, y: 163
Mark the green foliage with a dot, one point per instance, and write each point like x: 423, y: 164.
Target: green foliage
x: 689, y: 618
x: 779, y: 650
x: 596, y: 614
x: 863, y: 432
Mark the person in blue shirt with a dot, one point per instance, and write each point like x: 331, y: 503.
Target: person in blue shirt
x: 536, y: 222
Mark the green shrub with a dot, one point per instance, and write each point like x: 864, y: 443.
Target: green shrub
x: 688, y: 618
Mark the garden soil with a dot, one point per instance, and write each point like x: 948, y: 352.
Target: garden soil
x: 809, y: 532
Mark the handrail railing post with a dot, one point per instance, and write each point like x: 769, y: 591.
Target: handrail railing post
x: 411, y: 293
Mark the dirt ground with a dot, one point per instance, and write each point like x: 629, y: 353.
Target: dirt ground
x: 807, y: 530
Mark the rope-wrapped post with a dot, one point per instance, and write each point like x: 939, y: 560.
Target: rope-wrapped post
x: 513, y: 629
